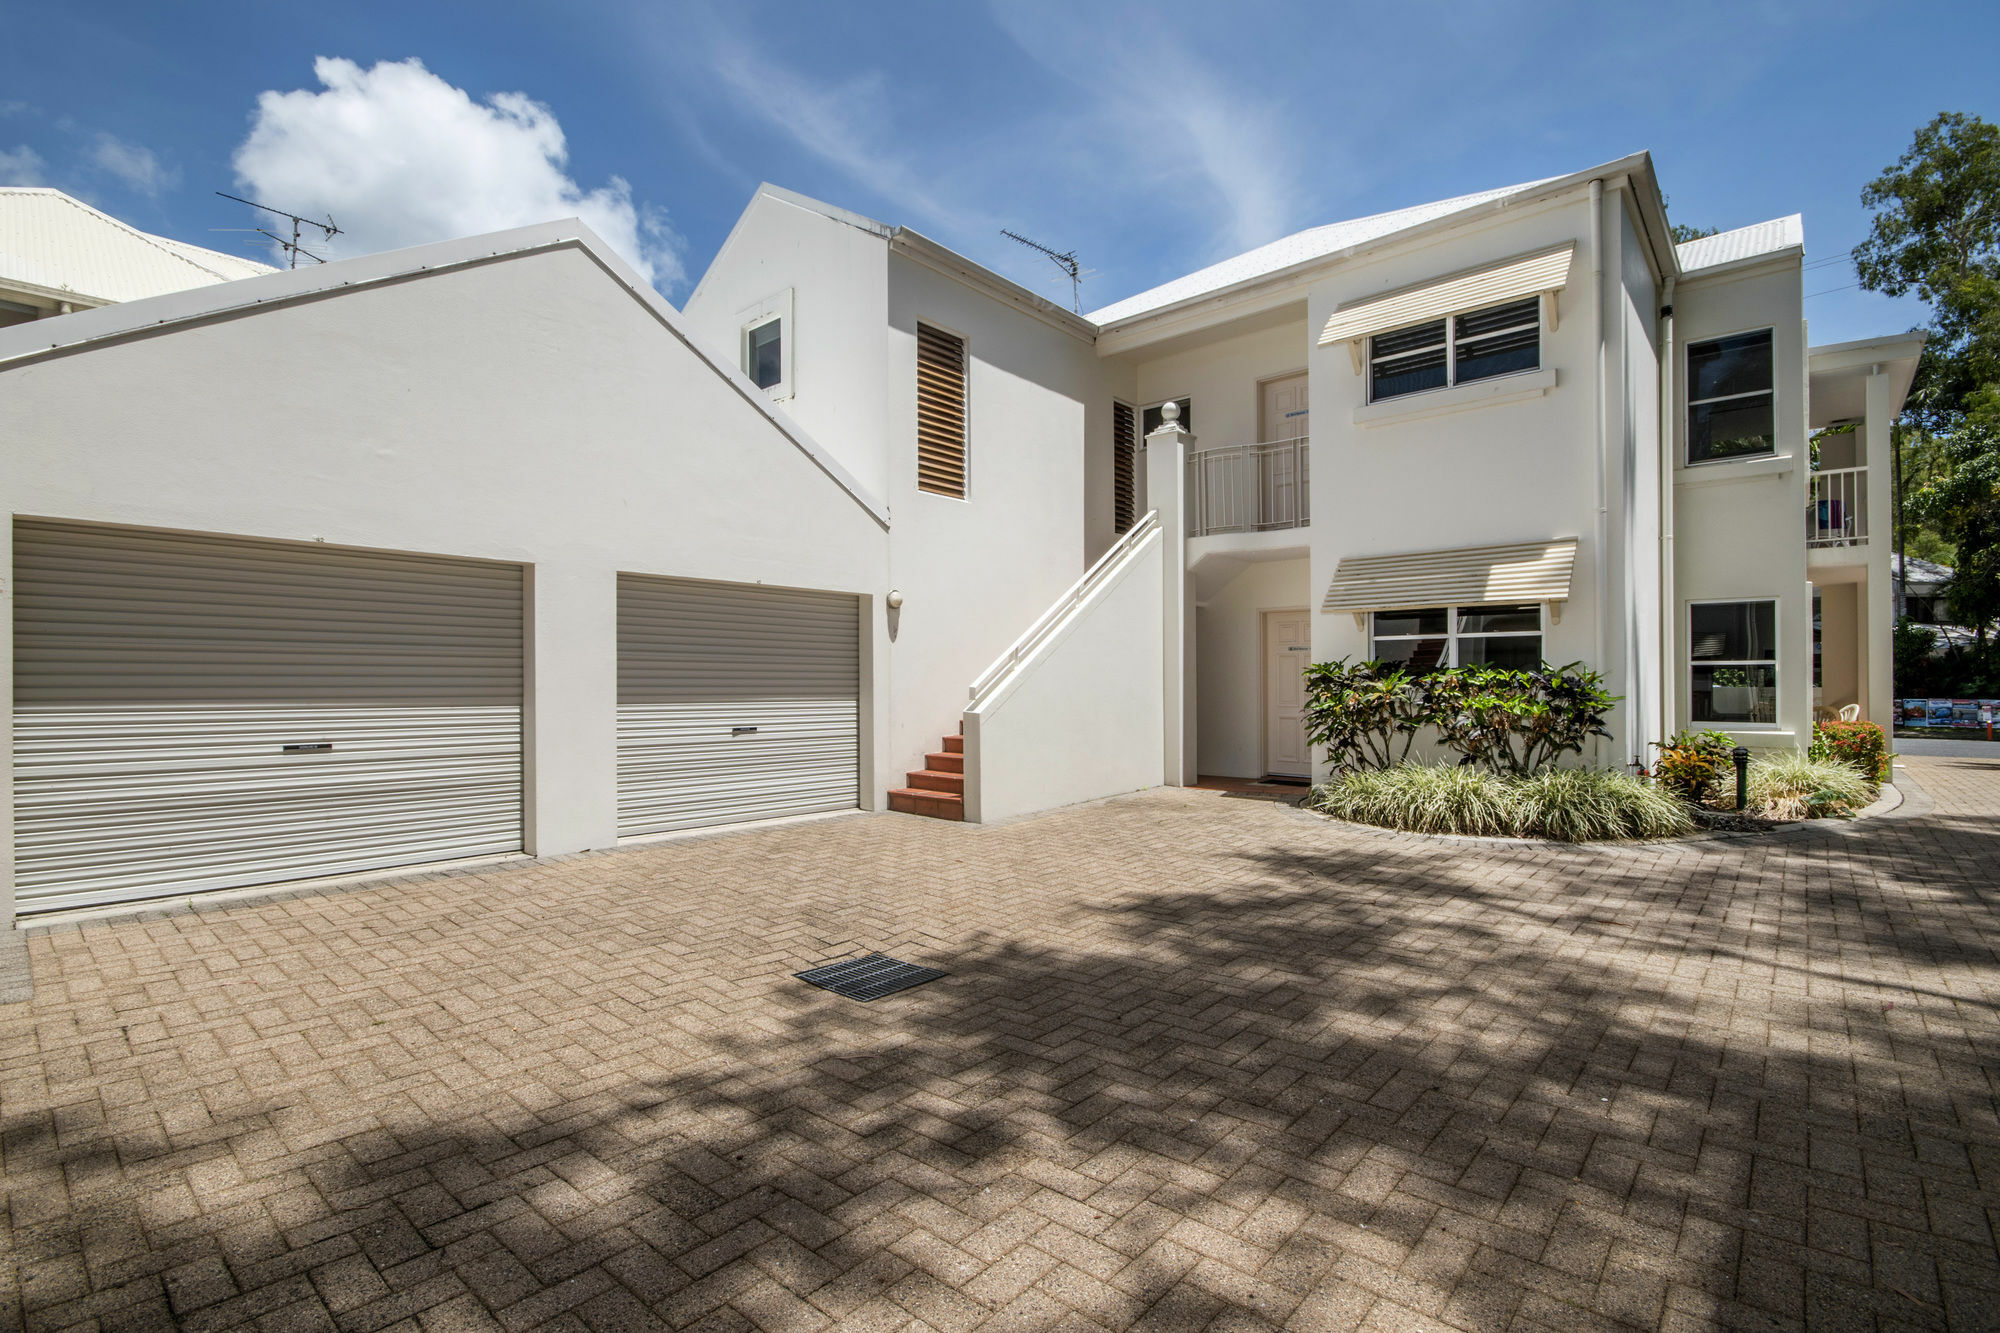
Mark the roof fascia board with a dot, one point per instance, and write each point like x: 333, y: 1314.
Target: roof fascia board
x: 922, y: 249
x: 26, y: 343
x: 1786, y: 257
x: 77, y: 299
x: 1134, y: 332
x: 1835, y: 357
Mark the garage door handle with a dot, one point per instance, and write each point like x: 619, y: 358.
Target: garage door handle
x: 741, y: 731
x: 313, y: 747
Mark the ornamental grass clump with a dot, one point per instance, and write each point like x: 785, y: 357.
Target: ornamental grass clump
x: 1422, y: 798
x: 1587, y: 805
x: 1797, y: 786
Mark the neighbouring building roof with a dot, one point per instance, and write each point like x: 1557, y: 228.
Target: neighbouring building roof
x: 1921, y: 571
x: 1519, y: 572
x: 1298, y: 248
x: 62, y: 247
x: 1751, y: 242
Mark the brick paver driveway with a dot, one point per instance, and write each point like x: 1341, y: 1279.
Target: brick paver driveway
x: 1201, y: 1062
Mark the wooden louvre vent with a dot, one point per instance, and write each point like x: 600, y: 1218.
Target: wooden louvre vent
x: 941, y: 419
x: 1124, y: 444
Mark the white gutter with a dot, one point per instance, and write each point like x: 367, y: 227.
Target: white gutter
x: 1601, y: 555
x: 1670, y: 616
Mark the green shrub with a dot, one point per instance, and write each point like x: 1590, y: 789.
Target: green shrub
x: 1691, y: 763
x: 1573, y: 805
x: 1588, y: 805
x: 1422, y: 798
x: 1861, y: 744
x: 1798, y: 786
x: 1366, y: 715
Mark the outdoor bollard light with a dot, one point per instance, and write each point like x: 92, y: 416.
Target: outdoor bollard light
x: 1742, y: 758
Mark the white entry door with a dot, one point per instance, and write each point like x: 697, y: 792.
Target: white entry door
x: 1285, y: 409
x: 1287, y: 649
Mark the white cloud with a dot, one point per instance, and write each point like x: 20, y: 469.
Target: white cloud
x: 135, y: 166
x: 397, y: 156
x: 22, y: 166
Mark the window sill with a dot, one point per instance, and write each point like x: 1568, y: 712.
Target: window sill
x: 1458, y: 398
x: 1734, y: 469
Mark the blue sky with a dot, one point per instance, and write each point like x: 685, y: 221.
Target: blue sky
x: 1151, y: 138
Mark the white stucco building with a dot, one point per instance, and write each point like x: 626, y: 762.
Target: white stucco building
x: 483, y: 548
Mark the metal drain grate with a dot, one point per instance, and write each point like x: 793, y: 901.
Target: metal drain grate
x: 869, y: 978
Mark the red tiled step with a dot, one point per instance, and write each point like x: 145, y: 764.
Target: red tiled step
x: 924, y: 779
x: 943, y: 761
x: 954, y: 745
x: 936, y: 804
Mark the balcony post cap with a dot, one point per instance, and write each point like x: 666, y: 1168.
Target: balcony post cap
x: 1170, y: 412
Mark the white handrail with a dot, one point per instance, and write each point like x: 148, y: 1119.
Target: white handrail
x: 1050, y: 618
x: 1837, y: 507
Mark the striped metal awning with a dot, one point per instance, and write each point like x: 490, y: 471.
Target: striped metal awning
x: 1468, y: 575
x: 1495, y: 284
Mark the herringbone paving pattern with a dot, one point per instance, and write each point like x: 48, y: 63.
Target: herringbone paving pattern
x: 1201, y: 1062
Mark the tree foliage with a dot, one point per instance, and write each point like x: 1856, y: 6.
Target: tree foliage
x: 1936, y: 232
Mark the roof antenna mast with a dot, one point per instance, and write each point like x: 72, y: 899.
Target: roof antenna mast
x: 1066, y: 261
x: 292, y: 248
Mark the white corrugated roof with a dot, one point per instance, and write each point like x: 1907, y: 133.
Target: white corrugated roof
x: 1730, y: 247
x: 1298, y: 248
x: 51, y: 241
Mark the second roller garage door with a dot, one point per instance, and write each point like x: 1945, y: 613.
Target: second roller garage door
x: 735, y: 702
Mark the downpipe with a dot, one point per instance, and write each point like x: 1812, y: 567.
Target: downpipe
x: 1602, y: 557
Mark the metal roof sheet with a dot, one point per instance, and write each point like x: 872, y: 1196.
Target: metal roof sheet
x: 51, y: 241
x: 1298, y: 248
x: 1521, y: 572
x: 1733, y: 247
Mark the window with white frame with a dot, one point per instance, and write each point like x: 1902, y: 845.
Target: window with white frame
x: 1733, y: 662
x: 1730, y: 398
x: 766, y: 352
x: 1499, y: 340
x: 1425, y: 638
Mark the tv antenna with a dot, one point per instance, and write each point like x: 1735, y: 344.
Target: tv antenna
x: 292, y: 248
x: 1066, y: 261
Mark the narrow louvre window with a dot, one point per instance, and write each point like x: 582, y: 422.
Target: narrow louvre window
x: 1408, y: 361
x: 1730, y: 410
x: 1499, y: 341
x: 1123, y: 444
x: 941, y: 421
x: 765, y: 353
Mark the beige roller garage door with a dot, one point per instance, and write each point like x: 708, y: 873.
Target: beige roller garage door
x: 734, y: 702
x: 195, y: 712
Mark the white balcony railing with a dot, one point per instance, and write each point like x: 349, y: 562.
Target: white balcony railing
x: 1248, y: 488
x: 1837, y: 507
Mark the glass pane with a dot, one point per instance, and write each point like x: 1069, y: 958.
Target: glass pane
x: 766, y: 363
x: 1430, y: 620
x: 1509, y: 316
x: 1409, y: 374
x: 1733, y: 428
x: 1418, y: 656
x: 1500, y: 355
x: 1733, y: 632
x: 1741, y: 364
x: 1736, y: 694
x: 1150, y: 419
x: 1407, y: 340
x: 1498, y: 619
x: 1516, y: 652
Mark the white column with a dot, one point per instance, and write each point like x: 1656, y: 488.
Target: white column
x: 1877, y: 610
x: 1167, y: 451
x: 570, y: 721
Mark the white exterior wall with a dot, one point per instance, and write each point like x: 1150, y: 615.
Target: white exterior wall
x: 975, y: 573
x: 838, y: 276
x: 528, y: 410
x: 1077, y: 720
x: 1634, y: 423
x: 1739, y: 525
x: 1488, y: 472
x: 1229, y: 676
x: 1221, y: 374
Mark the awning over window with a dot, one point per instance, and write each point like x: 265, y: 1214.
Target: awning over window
x: 1496, y: 284
x: 1470, y: 575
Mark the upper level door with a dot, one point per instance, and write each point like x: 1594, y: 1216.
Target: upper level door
x: 1284, y: 409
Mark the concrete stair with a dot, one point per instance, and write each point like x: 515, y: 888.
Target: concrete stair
x: 938, y: 788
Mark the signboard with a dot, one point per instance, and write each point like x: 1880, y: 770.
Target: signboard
x: 1946, y: 714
